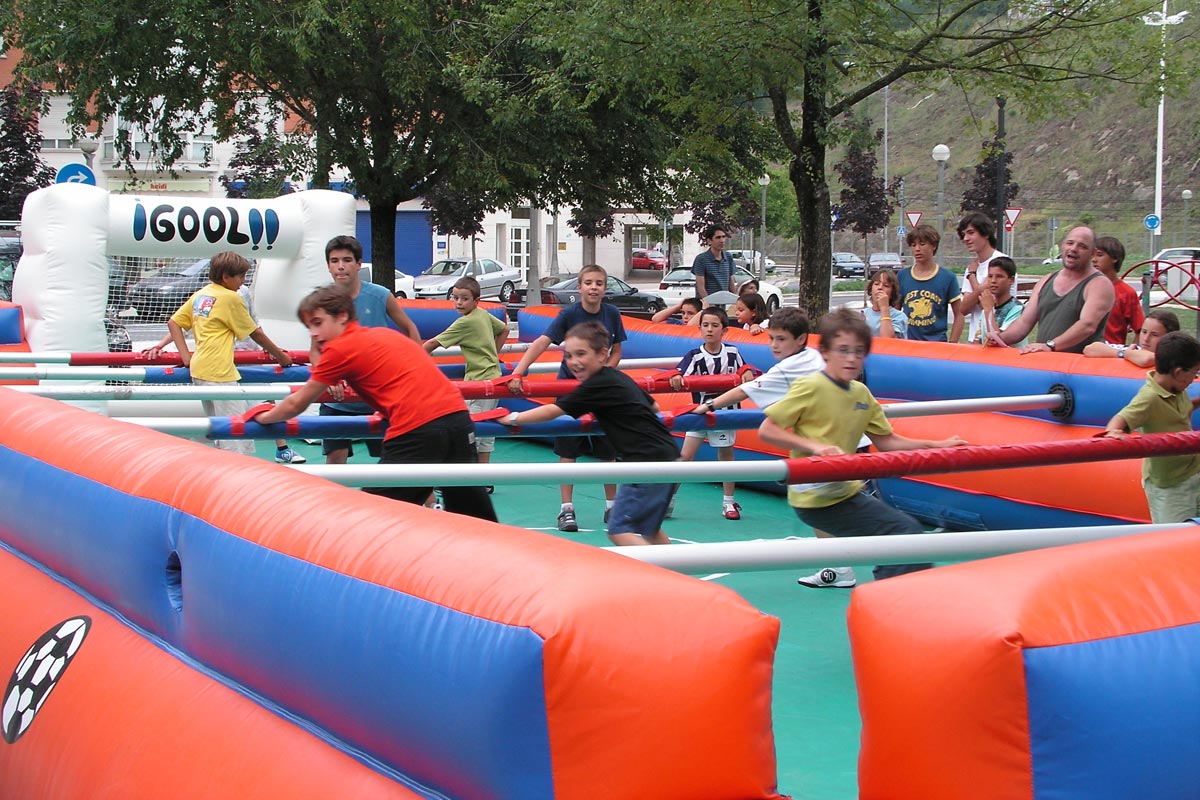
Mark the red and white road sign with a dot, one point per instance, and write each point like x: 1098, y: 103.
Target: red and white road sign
x: 1010, y: 218
x: 914, y: 217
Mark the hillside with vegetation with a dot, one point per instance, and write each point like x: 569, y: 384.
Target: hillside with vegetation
x: 1093, y: 163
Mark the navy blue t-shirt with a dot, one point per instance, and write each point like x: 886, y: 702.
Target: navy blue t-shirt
x: 575, y: 314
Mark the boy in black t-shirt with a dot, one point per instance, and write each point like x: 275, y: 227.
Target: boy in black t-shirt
x: 630, y: 420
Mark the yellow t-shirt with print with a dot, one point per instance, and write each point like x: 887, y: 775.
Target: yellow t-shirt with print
x: 217, y: 318
x: 819, y: 408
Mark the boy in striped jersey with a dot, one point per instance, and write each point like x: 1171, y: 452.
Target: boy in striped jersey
x: 713, y: 357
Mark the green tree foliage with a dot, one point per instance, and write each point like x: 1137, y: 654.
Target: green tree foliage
x: 981, y: 196
x: 865, y: 202
x: 264, y: 159
x: 796, y: 67
x: 21, y: 167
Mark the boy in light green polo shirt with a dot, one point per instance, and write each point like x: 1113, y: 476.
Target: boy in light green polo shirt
x: 480, y: 335
x: 1162, y: 405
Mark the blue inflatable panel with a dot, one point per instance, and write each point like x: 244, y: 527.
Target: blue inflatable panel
x: 10, y: 325
x: 435, y: 317
x: 1116, y: 718
x: 256, y: 616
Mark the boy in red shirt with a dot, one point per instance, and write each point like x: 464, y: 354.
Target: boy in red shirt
x: 1126, y: 316
x: 428, y: 421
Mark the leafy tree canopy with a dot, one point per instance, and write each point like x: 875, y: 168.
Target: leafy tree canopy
x: 981, y: 196
x: 21, y: 167
x: 865, y: 201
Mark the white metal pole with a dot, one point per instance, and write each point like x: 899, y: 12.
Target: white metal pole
x: 871, y: 550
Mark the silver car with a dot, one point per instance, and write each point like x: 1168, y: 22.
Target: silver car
x: 495, y: 279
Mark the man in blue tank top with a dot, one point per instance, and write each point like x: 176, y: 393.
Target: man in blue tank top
x: 375, y: 307
x: 1070, y: 306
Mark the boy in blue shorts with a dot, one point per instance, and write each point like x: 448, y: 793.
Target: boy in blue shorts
x: 826, y: 414
x: 713, y: 357
x: 593, y: 282
x: 630, y: 421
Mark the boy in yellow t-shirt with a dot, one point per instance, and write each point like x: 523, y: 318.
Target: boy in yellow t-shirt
x: 826, y: 414
x: 217, y: 318
x: 480, y: 335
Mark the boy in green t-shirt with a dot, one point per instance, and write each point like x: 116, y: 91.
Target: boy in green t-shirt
x: 480, y: 335
x: 1162, y: 405
x: 826, y: 414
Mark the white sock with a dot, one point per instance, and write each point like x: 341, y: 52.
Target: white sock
x: 567, y: 507
x: 608, y: 503
x: 728, y: 499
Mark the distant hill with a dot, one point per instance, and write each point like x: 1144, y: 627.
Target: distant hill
x: 1091, y: 164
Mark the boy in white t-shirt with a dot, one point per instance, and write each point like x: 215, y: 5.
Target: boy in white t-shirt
x: 713, y: 357
x: 978, y: 235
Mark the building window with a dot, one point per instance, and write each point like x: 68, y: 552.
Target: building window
x: 643, y: 237
x: 202, y: 148
x: 58, y: 144
x: 518, y: 247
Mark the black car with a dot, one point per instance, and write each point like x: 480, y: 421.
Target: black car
x: 158, y: 297
x: 848, y: 265
x: 563, y: 290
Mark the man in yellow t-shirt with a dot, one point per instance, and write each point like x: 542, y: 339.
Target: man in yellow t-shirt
x: 826, y: 414
x: 217, y: 318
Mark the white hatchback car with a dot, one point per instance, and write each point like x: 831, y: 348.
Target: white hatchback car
x: 404, y: 282
x: 680, y: 283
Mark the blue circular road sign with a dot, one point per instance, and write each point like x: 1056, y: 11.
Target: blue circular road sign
x: 76, y: 173
x: 1152, y: 222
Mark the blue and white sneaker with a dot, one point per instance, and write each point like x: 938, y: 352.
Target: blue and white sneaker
x: 289, y: 456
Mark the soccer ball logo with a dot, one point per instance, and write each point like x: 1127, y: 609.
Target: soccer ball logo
x: 39, y: 672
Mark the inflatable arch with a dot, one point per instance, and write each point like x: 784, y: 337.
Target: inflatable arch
x: 227, y: 627
x: 69, y: 230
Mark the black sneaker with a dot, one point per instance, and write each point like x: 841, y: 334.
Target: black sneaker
x: 607, y: 511
x: 566, y: 521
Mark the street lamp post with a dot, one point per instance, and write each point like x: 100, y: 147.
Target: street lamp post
x: 88, y: 147
x: 1161, y: 20
x: 764, y: 181
x: 1186, y: 194
x: 941, y: 154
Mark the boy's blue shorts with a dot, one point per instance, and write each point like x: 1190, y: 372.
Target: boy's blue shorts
x: 640, y: 508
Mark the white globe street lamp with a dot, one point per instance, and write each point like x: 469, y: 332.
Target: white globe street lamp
x: 941, y: 154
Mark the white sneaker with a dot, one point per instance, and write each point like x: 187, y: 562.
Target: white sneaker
x: 830, y: 578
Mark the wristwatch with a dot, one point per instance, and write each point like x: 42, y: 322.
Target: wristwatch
x: 1050, y: 344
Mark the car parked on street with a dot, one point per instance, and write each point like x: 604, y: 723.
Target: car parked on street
x: 559, y: 290
x: 495, y: 279
x: 879, y: 261
x: 748, y: 260
x: 648, y: 259
x: 680, y: 283
x: 848, y: 265
x: 403, y: 287
x: 158, y: 296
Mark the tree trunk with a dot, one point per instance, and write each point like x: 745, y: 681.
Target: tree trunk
x: 383, y: 241
x: 807, y: 173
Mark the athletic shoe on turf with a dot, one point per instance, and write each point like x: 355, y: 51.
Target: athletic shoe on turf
x: 671, y: 506
x: 830, y: 578
x: 566, y: 521
x: 607, y: 511
x: 731, y: 511
x: 289, y: 456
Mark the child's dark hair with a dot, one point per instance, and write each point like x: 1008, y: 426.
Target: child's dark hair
x: 893, y: 286
x: 715, y: 311
x: 344, y: 243
x: 226, y: 265
x: 470, y: 284
x: 843, y: 320
x: 331, y: 299
x: 593, y: 333
x: 1112, y: 245
x: 791, y: 320
x: 757, y: 306
x: 982, y: 223
x: 695, y: 302
x: 1175, y: 351
x: 1005, y: 263
x: 1165, y: 318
